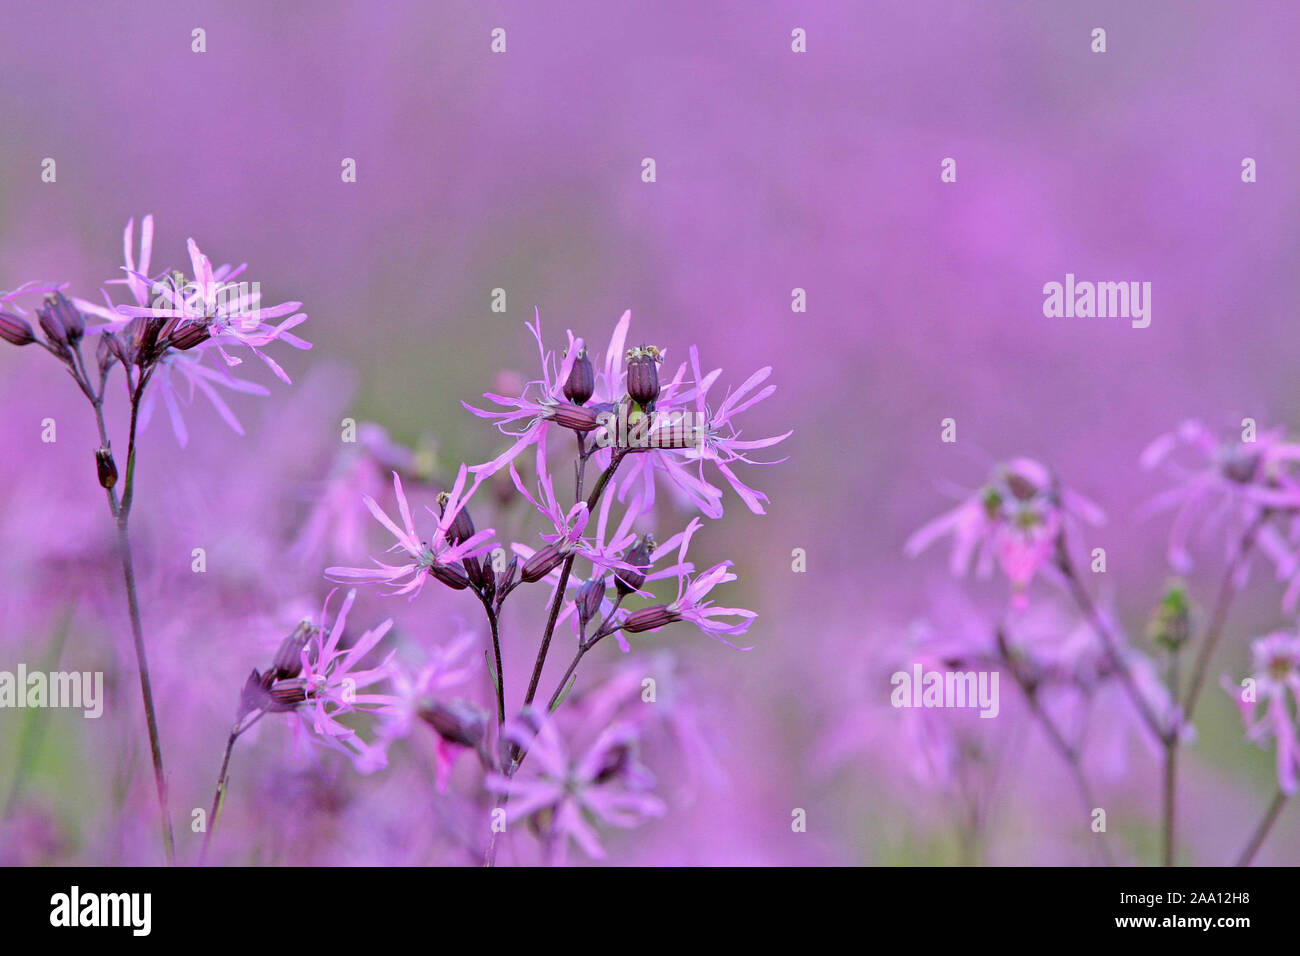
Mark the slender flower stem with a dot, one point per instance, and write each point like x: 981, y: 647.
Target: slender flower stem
x: 573, y: 666
x: 121, y: 511
x: 223, y: 781
x: 511, y: 757
x: 490, y: 857
x: 1169, y: 790
x: 1111, y: 644
x: 1067, y: 751
x: 592, y: 500
x: 494, y: 623
x: 1169, y: 801
x: 607, y: 627
x: 146, y: 686
x: 1228, y: 590
x: 1261, y: 832
x: 219, y: 796
x: 1167, y: 735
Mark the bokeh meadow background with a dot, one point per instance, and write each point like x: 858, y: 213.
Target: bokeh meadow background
x: 522, y: 171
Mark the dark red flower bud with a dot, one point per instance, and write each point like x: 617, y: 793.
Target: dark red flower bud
x: 649, y: 618
x: 54, y: 331
x: 461, y: 528
x: 450, y: 575
x: 117, y: 346
x: 106, y: 466
x: 104, y: 352
x: 460, y: 722
x: 643, y: 374
x: 62, y: 323
x: 506, y: 579
x: 616, y: 760
x: 286, y: 695
x: 577, y: 417
x: 253, y: 696
x: 590, y: 596
x: 143, y: 332
x: 186, y: 333
x: 288, y: 659
x: 15, y: 331
x: 582, y: 379
x: 639, y: 557
x: 542, y: 563
x: 71, y: 317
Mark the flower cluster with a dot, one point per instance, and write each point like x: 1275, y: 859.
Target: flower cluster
x: 1081, y: 670
x: 320, y: 680
x: 161, y: 345
x: 1274, y: 687
x: 596, y: 555
x: 160, y: 336
x: 613, y: 467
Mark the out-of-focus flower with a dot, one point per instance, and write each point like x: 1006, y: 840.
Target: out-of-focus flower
x: 334, y: 525
x: 559, y: 791
x: 679, y: 718
x: 178, y: 377
x: 1276, y: 660
x: 1230, y: 486
x: 417, y: 690
x: 1016, y: 521
x: 439, y: 556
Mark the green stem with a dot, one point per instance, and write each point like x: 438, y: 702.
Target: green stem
x: 137, y: 630
x: 1261, y: 832
x: 592, y: 500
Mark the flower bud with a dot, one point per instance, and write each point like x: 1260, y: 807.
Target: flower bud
x: 104, y: 354
x: 506, y: 579
x: 616, y: 761
x: 15, y: 331
x: 54, y: 331
x: 143, y: 332
x: 450, y: 575
x: 106, y: 466
x: 643, y: 374
x: 185, y: 334
x: 639, y: 557
x: 460, y: 722
x: 590, y: 596
x: 116, y: 346
x: 62, y: 323
x: 542, y: 563
x: 650, y: 618
x: 461, y: 528
x: 582, y: 379
x: 288, y: 659
x: 286, y: 695
x: 576, y: 417
x: 1171, y: 626
x: 253, y: 696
